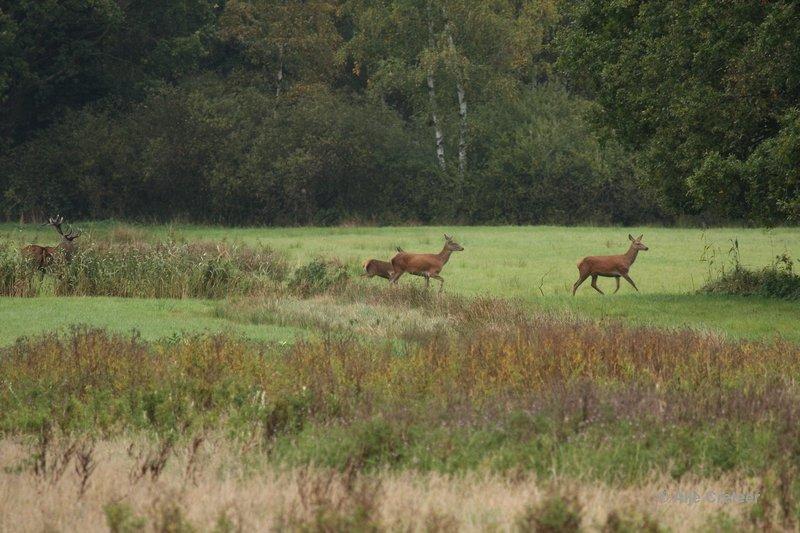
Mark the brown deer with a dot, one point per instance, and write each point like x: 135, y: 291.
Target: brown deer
x: 425, y: 265
x: 609, y: 266
x: 376, y: 267
x: 43, y: 255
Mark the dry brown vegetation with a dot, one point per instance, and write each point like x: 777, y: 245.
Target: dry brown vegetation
x: 213, y: 486
x: 403, y: 411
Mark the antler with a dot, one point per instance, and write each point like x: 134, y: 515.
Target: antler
x: 72, y: 234
x: 56, y: 223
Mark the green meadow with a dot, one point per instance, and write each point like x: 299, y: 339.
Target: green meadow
x: 347, y: 385
x: 532, y: 264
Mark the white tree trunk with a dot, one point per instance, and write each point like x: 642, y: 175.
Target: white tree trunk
x: 462, y: 112
x: 437, y: 126
x: 462, y: 128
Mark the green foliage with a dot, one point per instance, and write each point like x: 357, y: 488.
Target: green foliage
x: 172, y: 520
x: 206, y: 154
x: 703, y: 90
x: 63, y: 55
x: 555, y: 514
x: 541, y: 163
x: 775, y: 281
x: 767, y: 182
x: 317, y: 276
x: 120, y: 518
x: 144, y: 270
x: 266, y: 112
x: 436, y: 405
x: 617, y: 522
x: 300, y: 113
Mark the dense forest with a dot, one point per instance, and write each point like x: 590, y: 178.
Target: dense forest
x: 398, y: 111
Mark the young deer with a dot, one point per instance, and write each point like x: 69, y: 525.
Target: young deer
x: 609, y: 266
x: 43, y: 255
x: 425, y: 265
x: 376, y: 267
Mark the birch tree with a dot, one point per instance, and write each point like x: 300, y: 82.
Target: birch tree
x: 396, y: 46
x: 443, y: 56
x: 430, y: 76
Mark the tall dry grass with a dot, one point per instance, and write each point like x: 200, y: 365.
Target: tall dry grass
x: 210, y: 485
x: 146, y: 270
x: 489, y: 391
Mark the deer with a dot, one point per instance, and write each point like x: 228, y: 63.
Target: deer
x: 425, y: 265
x: 376, y: 267
x: 43, y: 255
x: 610, y: 266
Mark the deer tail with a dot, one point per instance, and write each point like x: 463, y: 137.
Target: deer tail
x: 365, y: 264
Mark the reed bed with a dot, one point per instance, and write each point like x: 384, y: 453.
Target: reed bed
x: 145, y: 270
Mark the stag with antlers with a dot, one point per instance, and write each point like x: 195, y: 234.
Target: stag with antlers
x: 43, y: 255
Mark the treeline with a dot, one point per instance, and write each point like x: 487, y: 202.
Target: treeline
x: 391, y: 111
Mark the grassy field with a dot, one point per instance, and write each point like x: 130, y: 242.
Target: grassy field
x: 257, y: 369
x: 533, y: 264
x: 152, y: 319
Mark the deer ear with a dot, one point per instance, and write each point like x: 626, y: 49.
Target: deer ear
x: 448, y: 237
x: 639, y: 238
x: 630, y: 237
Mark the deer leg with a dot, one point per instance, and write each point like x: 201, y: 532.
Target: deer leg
x: 441, y: 281
x: 581, y: 279
x: 615, y: 290
x: 427, y: 280
x: 594, y: 284
x: 395, y: 276
x: 629, y: 280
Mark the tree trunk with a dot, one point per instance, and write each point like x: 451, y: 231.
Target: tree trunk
x: 462, y: 128
x: 437, y: 126
x: 278, y: 81
x: 462, y: 112
x: 279, y: 75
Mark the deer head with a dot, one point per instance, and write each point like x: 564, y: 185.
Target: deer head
x: 66, y: 243
x: 637, y: 243
x: 452, y: 245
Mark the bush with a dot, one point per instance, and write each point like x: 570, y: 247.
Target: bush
x: 317, y: 276
x: 555, y: 514
x: 121, y: 519
x: 776, y: 281
x: 619, y: 523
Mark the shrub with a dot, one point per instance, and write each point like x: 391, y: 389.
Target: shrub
x: 121, y: 519
x: 171, y: 519
x: 775, y: 281
x: 619, y: 523
x: 317, y: 276
x: 557, y: 513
